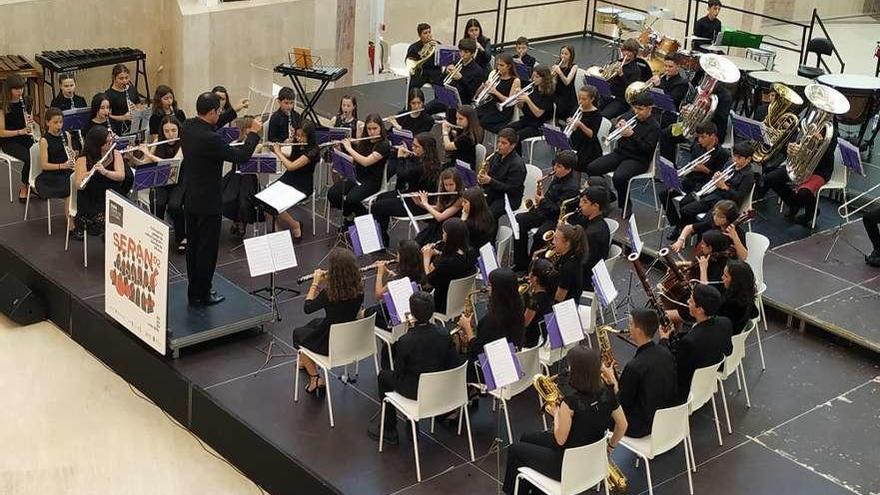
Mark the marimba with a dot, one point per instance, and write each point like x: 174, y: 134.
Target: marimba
x: 16, y: 64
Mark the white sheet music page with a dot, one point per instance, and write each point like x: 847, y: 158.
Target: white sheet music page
x: 367, y: 233
x: 501, y: 361
x: 634, y: 236
x: 259, y: 256
x: 606, y: 285
x: 281, y: 246
x: 569, y: 321
x: 280, y: 196
x: 400, y: 290
x: 487, y: 254
x: 511, y: 217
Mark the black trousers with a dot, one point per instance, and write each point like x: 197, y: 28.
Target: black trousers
x: 161, y: 204
x: 871, y: 219
x: 203, y: 238
x: 529, y: 220
x: 668, y: 143
x: 388, y: 205
x: 388, y: 383
x: 624, y: 169
x: 20, y: 152
x: 354, y: 194
x: 537, y: 450
x: 779, y: 182
x: 611, y: 108
x: 496, y: 206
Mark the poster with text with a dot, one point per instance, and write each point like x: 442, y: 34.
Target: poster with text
x: 136, y: 270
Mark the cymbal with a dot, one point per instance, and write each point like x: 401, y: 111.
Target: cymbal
x: 696, y: 38
x: 661, y: 13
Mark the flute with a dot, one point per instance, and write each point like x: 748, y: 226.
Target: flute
x: 339, y: 141
x: 94, y: 169
x: 373, y: 266
x: 430, y: 194
x: 404, y: 148
x: 404, y: 114
x: 450, y: 124
x: 151, y: 145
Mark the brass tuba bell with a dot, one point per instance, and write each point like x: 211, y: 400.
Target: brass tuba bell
x: 780, y: 123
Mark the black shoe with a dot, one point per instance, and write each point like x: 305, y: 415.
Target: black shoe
x: 214, y: 298
x: 674, y: 234
x: 805, y: 218
x: 77, y: 235
x: 873, y: 259
x: 391, y: 435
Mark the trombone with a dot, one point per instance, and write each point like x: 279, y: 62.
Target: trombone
x: 844, y: 211
x: 618, y: 133
x: 691, y: 165
x: 712, y: 185
x: 511, y: 100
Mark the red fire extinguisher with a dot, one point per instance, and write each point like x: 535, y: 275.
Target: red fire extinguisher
x: 371, y: 52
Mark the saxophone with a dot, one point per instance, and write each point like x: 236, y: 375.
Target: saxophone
x: 780, y: 122
x: 483, y: 169
x: 459, y: 339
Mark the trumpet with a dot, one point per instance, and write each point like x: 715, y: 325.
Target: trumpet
x: 488, y: 86
x: 712, y: 185
x: 691, y: 165
x: 511, y: 100
x: 151, y: 145
x: 569, y: 128
x: 618, y: 133
x: 450, y: 76
x: 530, y: 203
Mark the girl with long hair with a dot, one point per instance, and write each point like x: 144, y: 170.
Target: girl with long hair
x: 108, y: 174
x: 565, y: 72
x: 537, y: 107
x: 461, y: 144
x: 474, y: 30
x: 446, y: 206
x: 228, y: 111
x: 99, y: 114
x: 570, y: 245
x: 16, y: 138
x: 491, y: 117
x: 299, y: 168
x: 538, y: 300
x: 347, y: 116
x: 369, y: 158
x: 475, y: 213
x: 448, y: 260
x: 738, y: 294
x: 120, y: 93
x: 169, y: 198
x: 164, y: 104
x: 418, y: 122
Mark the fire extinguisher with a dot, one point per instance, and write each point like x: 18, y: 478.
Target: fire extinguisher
x: 371, y: 52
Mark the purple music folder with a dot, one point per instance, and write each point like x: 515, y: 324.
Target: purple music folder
x: 663, y: 101
x: 356, y: 240
x: 603, y: 299
x: 337, y: 133
x: 554, y: 137
x: 522, y: 70
x: 747, y: 128
x: 391, y: 308
x: 447, y: 95
x: 343, y: 164
x: 76, y: 119
x: 401, y: 137
x: 668, y: 174
x: 446, y: 55
x: 468, y: 176
x: 488, y: 377
x: 229, y: 134
x: 322, y: 135
x: 152, y: 175
x: 259, y: 164
x: 601, y: 85
x: 554, y: 335
x: 849, y: 155
x: 123, y: 142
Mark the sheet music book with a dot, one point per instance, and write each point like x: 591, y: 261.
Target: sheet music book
x: 260, y: 163
x: 662, y: 100
x: 601, y: 85
x: 397, y: 299
x: 161, y: 173
x: 270, y: 253
x: 749, y: 129
x: 669, y: 174
x: 635, y: 238
x: 446, y: 55
x: 401, y: 137
x: 344, y: 165
x: 468, y: 176
x: 337, y: 133
x: 564, y: 324
x: 487, y: 260
x: 556, y: 138
x: 603, y: 284
x: 364, y: 234
x: 511, y: 217
x: 76, y: 118
x: 447, y: 94
x: 279, y: 196
x: 850, y: 156
x: 499, y: 364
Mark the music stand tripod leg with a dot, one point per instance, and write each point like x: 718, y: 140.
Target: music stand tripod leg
x: 273, y: 289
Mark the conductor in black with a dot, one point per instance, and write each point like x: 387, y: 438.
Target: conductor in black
x: 204, y: 152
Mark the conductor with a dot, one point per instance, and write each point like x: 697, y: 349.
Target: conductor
x: 204, y: 152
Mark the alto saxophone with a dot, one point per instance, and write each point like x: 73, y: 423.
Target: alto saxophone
x: 459, y: 339
x: 483, y: 169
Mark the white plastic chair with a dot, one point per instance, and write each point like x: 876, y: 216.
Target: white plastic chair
x: 71, y: 214
x: 533, y: 174
x: 8, y: 160
x: 728, y: 136
x: 349, y: 343
x: 649, y: 175
x: 35, y: 170
x: 838, y: 181
x: 669, y: 428
x: 455, y: 296
x: 531, y: 143
x: 613, y: 226
x: 604, y: 130
x: 479, y: 153
x: 389, y: 337
x: 733, y: 365
x: 397, y: 62
x: 582, y: 467
x: 615, y: 255
x: 746, y: 204
x: 704, y: 384
x: 439, y: 393
x: 503, y: 243
x: 757, y: 246
x: 531, y: 366
x: 588, y: 314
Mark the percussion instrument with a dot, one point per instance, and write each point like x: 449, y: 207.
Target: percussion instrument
x: 631, y: 21
x: 713, y: 49
x: 762, y: 80
x: 325, y: 74
x: 745, y: 64
x: 766, y: 57
x: 16, y: 64
x: 661, y: 13
x: 668, y: 45
x: 689, y: 60
x: 863, y: 93
x: 58, y: 61
x: 608, y: 15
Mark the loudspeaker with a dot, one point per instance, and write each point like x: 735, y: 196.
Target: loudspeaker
x: 18, y: 301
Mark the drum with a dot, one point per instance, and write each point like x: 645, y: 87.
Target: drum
x: 745, y: 64
x: 689, y: 60
x: 607, y: 15
x: 765, y: 78
x: 766, y: 57
x: 645, y: 36
x: 631, y: 21
x: 859, y: 90
x: 668, y: 45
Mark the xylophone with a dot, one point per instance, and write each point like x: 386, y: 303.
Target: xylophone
x: 16, y: 64
x: 55, y: 62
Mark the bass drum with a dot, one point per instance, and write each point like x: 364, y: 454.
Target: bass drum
x: 668, y: 45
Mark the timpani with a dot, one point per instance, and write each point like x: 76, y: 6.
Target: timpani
x: 863, y: 93
x: 761, y: 80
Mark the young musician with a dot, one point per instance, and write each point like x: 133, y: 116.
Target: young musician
x: 648, y: 381
x: 491, y: 117
x: 448, y: 260
x: 67, y: 99
x: 228, y: 112
x: 57, y: 165
x: 348, y: 114
x: 170, y: 198
x: 583, y: 417
x: 239, y: 189
x: 299, y: 169
x: 369, y: 158
x: 422, y: 349
x: 738, y: 295
x: 724, y: 213
x: 506, y: 174
x: 870, y: 221
x: 705, y: 344
x: 446, y: 206
x: 16, y: 138
x: 585, y: 137
x: 591, y: 218
x: 108, y: 174
x: 204, y: 153
x: 537, y: 107
x: 339, y: 291
x: 429, y: 72
x: 164, y: 104
x: 409, y: 264
x: 100, y: 113
x: 538, y: 300
x: 285, y: 120
x: 565, y: 72
x: 475, y: 213
x: 634, y: 150
x: 474, y: 31
x: 630, y: 73
x: 673, y: 84
x: 418, y: 170
x: 705, y: 141
x: 471, y: 75
x: 545, y: 214
x: 708, y: 26
x: 461, y: 144
x: 522, y: 54
x: 569, y: 244
x: 121, y: 93
x: 418, y: 122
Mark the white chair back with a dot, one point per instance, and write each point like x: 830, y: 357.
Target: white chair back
x: 442, y: 391
x: 456, y: 294
x: 669, y: 428
x: 579, y: 79
x: 479, y: 154
x: 533, y: 174
x: 746, y: 204
x: 839, y: 174
x: 615, y: 254
x: 352, y: 341
x: 530, y: 364
x: 604, y: 130
x: 613, y: 226
x: 72, y: 199
x: 589, y: 313
x: 757, y: 246
x: 703, y: 385
x: 584, y: 467
x: 397, y: 59
x: 502, y: 242
x: 36, y: 165
x: 739, y: 350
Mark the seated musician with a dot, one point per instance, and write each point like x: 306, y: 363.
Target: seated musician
x: 108, y: 174
x: 708, y: 26
x: 522, y: 55
x: 805, y: 195
x: 16, y: 137
x: 590, y: 216
x: 585, y: 137
x: 418, y: 170
x: 735, y: 189
x: 408, y: 264
x: 285, y: 120
x: 239, y: 190
x: 648, y: 381
x: 424, y: 348
x: 418, y: 122
x: 722, y: 217
x: 467, y: 80
x: 871, y: 220
x: 506, y: 174
x: 299, y: 169
x: 537, y: 107
x: 673, y: 84
x: 369, y: 158
x: 707, y: 343
x: 56, y: 165
x: 164, y: 104
x: 544, y: 215
x: 450, y: 259
x: 669, y: 139
x: 67, y: 99
x: 228, y: 111
x: 491, y: 118
x: 738, y: 295
x: 634, y: 150
x: 347, y: 116
x: 461, y: 144
x: 569, y: 246
x: 100, y: 113
x: 446, y: 206
x: 473, y: 30
x: 630, y: 73
x: 481, y: 225
x: 711, y: 256
x: 538, y: 300
x: 587, y: 409
x: 121, y: 93
x: 565, y: 72
x: 429, y: 72
x: 339, y: 291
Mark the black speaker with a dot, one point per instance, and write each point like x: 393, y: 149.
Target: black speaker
x: 18, y: 301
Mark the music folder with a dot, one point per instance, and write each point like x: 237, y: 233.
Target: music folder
x: 663, y: 101
x: 76, y: 119
x: 601, y: 85
x: 635, y: 238
x: 343, y: 164
x: 447, y: 94
x: 668, y: 174
x: 401, y: 137
x: 603, y: 284
x: 749, y: 129
x: 364, y: 234
x: 564, y: 324
x: 446, y: 55
x: 468, y: 176
x: 556, y: 138
x: 499, y: 364
x: 396, y: 298
x: 511, y: 217
x: 850, y: 156
x: 487, y: 261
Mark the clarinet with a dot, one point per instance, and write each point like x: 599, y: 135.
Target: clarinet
x: 71, y: 156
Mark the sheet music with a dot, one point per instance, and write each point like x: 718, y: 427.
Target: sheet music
x: 281, y: 246
x: 501, y: 362
x: 399, y: 291
x: 511, y: 217
x: 605, y: 284
x: 412, y: 219
x: 569, y: 321
x: 490, y: 262
x: 280, y: 196
x: 369, y: 237
x: 269, y: 253
x: 634, y: 236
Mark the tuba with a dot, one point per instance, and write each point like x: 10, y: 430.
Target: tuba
x: 779, y: 123
x: 717, y: 68
x: 816, y: 132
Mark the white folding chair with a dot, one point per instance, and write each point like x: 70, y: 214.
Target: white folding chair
x: 615, y: 255
x: 397, y: 62
x: 649, y: 175
x: 604, y: 130
x: 613, y: 226
x: 533, y: 175
x: 531, y: 366
x: 8, y: 161
x: 503, y: 243
x: 439, y: 393
x: 669, y: 428
x: 455, y: 297
x: 349, y: 343
x: 733, y: 365
x: 588, y: 314
x: 838, y: 181
x: 704, y: 384
x: 71, y: 214
x: 389, y: 337
x: 757, y: 246
x: 479, y: 153
x: 582, y: 467
x: 531, y: 143
x: 746, y: 204
x: 35, y: 170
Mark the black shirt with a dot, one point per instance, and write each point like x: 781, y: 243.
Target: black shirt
x: 640, y: 146
x: 740, y: 185
x: 55, y: 147
x: 479, y: 237
x: 422, y: 349
x: 648, y: 382
x: 489, y: 330
x: 592, y: 415
x: 705, y: 344
x: 472, y: 76
x: 508, y: 177
x: 63, y: 103
x: 541, y: 303
x: 542, y: 101
x: 598, y: 244
x: 156, y: 121
x: 14, y: 121
x: 558, y: 191
x: 411, y: 176
x: 335, y: 312
x: 423, y: 123
x: 119, y: 106
x: 722, y: 111
x: 631, y: 73
x: 738, y: 314
x: 372, y: 175
x: 280, y: 124
x: 706, y: 28
x: 465, y: 150
x: 676, y: 87
x: 588, y: 149
x: 717, y: 161
x: 302, y: 179
x: 429, y: 69
x: 448, y: 267
x: 571, y: 275
x: 351, y: 124
x: 484, y: 57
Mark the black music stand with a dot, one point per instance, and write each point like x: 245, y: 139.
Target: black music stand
x: 307, y: 61
x: 344, y: 166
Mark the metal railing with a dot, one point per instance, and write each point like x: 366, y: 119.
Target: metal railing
x: 459, y: 14
x: 813, y: 21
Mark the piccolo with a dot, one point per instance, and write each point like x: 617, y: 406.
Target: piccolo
x: 430, y: 194
x: 269, y: 143
x: 404, y: 114
x: 700, y: 160
x: 404, y: 148
x: 151, y: 145
x: 339, y: 141
x: 373, y: 266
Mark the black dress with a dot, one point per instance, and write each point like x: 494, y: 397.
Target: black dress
x: 315, y: 335
x: 303, y: 178
x: 90, y: 203
x: 588, y: 149
x: 465, y: 150
x: 54, y: 183
x: 17, y: 146
x: 62, y: 103
x: 566, y: 99
x: 448, y: 267
x: 423, y: 123
x: 156, y: 120
x: 119, y: 106
x: 530, y: 125
x: 490, y: 117
x: 541, y: 303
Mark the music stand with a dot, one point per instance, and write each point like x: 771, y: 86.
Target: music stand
x: 555, y: 138
x: 669, y: 177
x: 301, y: 57
x: 468, y: 176
x: 447, y: 95
x: 343, y: 164
x: 401, y: 137
x: 522, y: 70
x: 747, y: 128
x: 258, y: 164
x: 852, y: 160
x: 446, y: 55
x: 663, y: 101
x: 600, y: 84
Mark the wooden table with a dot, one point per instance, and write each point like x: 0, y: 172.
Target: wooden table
x: 16, y: 64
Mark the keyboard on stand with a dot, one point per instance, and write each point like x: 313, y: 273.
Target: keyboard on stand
x: 325, y: 74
